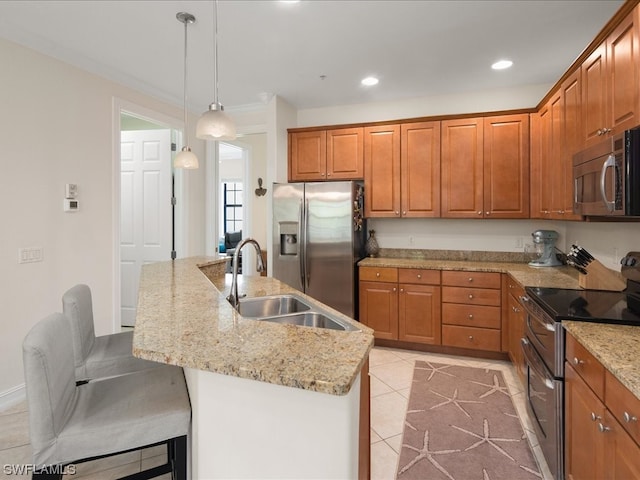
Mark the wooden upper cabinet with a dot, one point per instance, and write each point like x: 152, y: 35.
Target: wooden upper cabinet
x: 485, y: 167
x: 571, y: 138
x: 345, y: 154
x: 307, y: 155
x: 420, y: 169
x: 506, y: 166
x: 462, y: 169
x: 335, y: 154
x: 547, y: 174
x: 610, y: 99
x: 382, y: 171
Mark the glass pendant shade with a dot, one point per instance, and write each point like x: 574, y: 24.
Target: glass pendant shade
x: 185, y: 159
x: 214, y: 124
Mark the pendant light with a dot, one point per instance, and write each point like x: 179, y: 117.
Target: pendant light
x: 214, y: 124
x: 186, y: 158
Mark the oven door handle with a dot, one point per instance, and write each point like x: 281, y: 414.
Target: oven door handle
x: 525, y: 301
x: 533, y: 362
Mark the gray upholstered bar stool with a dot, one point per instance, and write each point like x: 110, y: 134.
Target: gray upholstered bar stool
x: 97, y: 357
x: 71, y: 423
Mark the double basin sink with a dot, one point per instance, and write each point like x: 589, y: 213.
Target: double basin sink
x: 291, y: 309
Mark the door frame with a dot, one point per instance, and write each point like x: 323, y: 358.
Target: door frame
x: 123, y: 106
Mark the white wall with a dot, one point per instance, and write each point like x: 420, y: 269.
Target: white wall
x: 56, y: 128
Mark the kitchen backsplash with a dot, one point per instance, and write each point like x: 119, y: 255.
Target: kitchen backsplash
x: 462, y: 255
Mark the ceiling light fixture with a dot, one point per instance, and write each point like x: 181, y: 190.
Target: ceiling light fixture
x: 186, y: 158
x: 369, y: 81
x: 214, y: 124
x: 502, y: 64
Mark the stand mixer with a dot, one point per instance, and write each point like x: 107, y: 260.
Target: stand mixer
x: 545, y: 244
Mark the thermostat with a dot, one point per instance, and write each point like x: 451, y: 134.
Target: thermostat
x: 71, y: 205
x: 71, y: 190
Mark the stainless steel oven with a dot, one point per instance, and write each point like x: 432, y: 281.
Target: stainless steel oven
x: 543, y: 349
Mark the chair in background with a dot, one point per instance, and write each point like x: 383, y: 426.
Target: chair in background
x: 231, y: 241
x: 97, y: 357
x: 70, y: 424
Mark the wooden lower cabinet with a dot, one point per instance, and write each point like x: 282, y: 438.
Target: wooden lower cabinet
x: 515, y: 326
x: 409, y: 311
x: 471, y: 316
x: 419, y: 314
x: 600, y: 440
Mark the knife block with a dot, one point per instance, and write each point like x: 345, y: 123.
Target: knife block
x: 600, y: 277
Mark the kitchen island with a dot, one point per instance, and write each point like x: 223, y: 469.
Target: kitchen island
x: 268, y: 400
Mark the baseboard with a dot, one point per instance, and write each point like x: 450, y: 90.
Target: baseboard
x: 12, y: 397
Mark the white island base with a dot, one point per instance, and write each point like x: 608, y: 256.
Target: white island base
x: 247, y: 429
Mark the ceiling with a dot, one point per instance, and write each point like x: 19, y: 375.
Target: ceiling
x: 312, y: 53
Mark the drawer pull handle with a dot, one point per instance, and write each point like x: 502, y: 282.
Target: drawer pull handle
x: 402, y: 290
x: 470, y: 279
x: 577, y: 361
x: 471, y: 338
x: 378, y: 274
x: 603, y: 428
x: 419, y: 276
x: 629, y: 418
x: 470, y: 296
x: 595, y: 417
x: 470, y: 316
x: 394, y: 289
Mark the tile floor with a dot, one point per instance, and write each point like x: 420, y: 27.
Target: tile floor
x: 391, y: 374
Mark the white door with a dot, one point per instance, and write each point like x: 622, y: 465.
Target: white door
x: 145, y: 209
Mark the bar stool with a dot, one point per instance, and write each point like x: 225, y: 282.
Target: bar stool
x: 97, y: 357
x: 71, y: 423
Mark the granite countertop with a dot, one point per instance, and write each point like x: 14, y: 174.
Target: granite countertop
x: 554, y: 277
x: 617, y: 347
x: 184, y: 319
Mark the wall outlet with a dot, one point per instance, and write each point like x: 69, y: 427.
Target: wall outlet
x: 519, y: 242
x: 615, y: 261
x: 30, y: 255
x: 410, y: 240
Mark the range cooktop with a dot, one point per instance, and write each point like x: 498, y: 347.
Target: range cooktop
x: 589, y: 305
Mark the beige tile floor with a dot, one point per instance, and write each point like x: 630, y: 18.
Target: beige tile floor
x: 391, y: 374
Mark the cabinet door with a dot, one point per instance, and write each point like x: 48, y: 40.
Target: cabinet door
x: 420, y: 169
x: 585, y: 445
x: 516, y: 332
x: 379, y: 308
x: 462, y: 182
x: 307, y: 156
x: 594, y: 88
x: 622, y: 454
x: 623, y: 59
x: 345, y: 154
x: 506, y: 166
x: 419, y: 314
x: 382, y: 171
x: 571, y: 138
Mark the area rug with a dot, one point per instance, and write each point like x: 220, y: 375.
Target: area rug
x: 461, y: 425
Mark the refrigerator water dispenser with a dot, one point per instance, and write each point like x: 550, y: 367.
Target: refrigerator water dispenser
x: 288, y: 238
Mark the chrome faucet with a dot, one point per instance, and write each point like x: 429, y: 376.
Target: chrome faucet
x: 233, y: 296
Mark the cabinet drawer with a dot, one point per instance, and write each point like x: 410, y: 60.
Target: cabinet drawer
x: 471, y: 296
x: 471, y: 315
x: 471, y: 279
x: 587, y: 366
x: 379, y: 274
x: 624, y: 405
x: 471, y: 337
x: 419, y: 276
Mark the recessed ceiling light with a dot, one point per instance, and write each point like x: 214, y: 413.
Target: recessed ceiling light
x: 369, y: 81
x: 502, y: 64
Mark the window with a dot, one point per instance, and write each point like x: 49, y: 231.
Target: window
x: 232, y: 195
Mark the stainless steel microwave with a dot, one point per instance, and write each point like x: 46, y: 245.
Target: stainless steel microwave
x: 606, y: 177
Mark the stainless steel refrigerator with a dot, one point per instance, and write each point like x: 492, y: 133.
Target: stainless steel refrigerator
x: 318, y: 238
